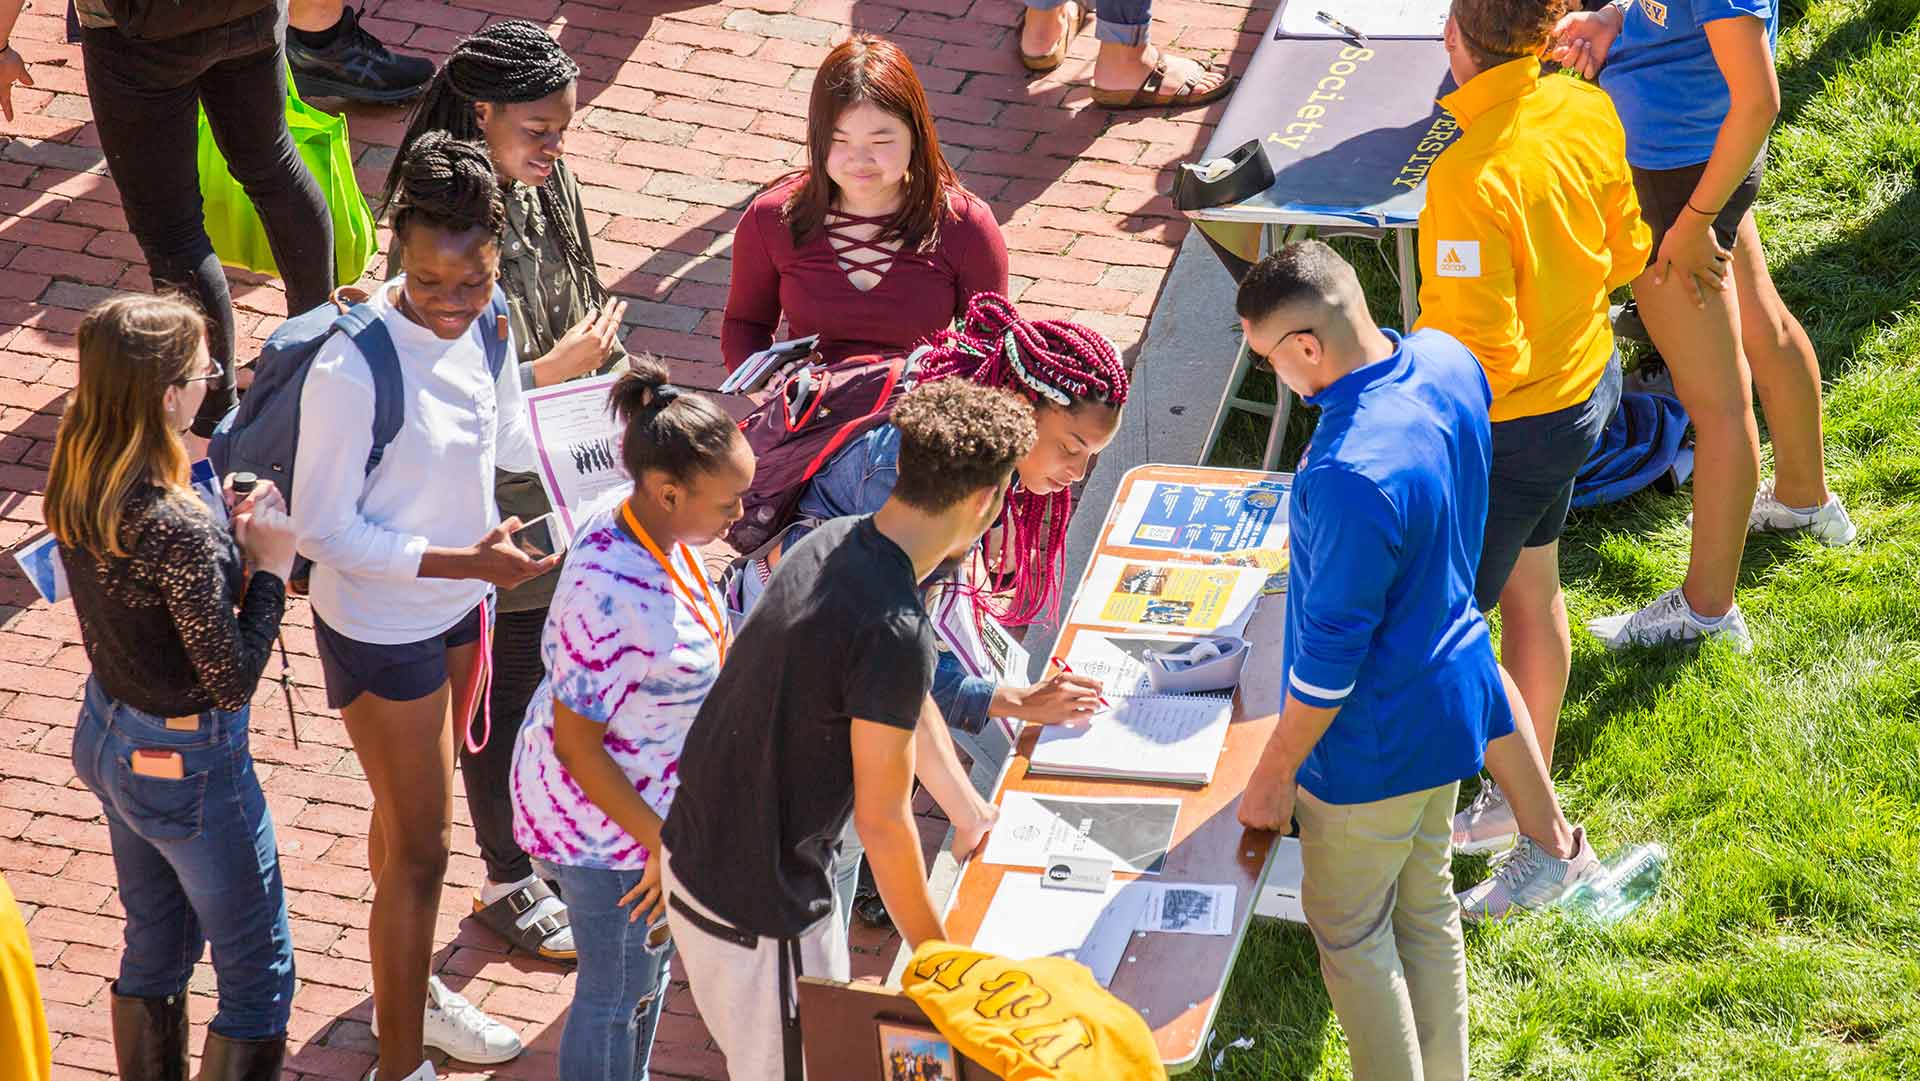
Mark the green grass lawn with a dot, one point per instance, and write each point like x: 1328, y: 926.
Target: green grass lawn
x: 1785, y: 941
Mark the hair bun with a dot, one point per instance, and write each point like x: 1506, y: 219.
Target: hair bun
x: 639, y: 388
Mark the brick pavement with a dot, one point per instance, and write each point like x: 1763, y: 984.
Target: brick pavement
x: 686, y: 108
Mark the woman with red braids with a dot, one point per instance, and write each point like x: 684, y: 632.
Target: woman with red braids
x: 1076, y: 383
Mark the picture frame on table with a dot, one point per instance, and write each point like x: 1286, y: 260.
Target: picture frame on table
x: 915, y: 1053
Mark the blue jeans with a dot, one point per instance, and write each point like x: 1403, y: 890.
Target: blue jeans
x: 1123, y: 22
x: 196, y: 862
x: 622, y: 982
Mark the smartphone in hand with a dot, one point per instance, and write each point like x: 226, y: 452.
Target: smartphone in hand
x: 541, y: 537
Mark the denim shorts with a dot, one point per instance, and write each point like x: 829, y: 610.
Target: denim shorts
x: 397, y: 673
x: 1531, y: 488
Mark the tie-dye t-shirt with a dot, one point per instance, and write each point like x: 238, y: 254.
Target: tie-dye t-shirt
x: 622, y: 650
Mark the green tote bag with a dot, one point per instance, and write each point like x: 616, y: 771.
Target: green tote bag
x: 234, y: 226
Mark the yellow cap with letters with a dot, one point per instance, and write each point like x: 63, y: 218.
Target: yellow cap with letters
x: 1030, y: 1020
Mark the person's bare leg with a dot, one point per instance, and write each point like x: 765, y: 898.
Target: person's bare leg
x: 315, y: 15
x: 1514, y: 763
x: 1040, y: 34
x: 406, y: 750
x: 1535, y: 646
x: 1786, y: 375
x: 1702, y: 348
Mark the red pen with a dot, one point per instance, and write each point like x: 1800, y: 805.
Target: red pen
x: 1068, y: 669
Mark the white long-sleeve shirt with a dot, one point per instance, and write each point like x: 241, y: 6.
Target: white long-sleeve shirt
x: 433, y: 487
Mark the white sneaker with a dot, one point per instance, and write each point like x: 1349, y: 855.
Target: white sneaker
x: 1670, y: 620
x: 1828, y: 523
x: 424, y: 1073
x: 1487, y: 825
x: 461, y: 1030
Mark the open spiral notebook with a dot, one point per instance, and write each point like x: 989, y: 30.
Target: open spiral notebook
x: 1143, y: 737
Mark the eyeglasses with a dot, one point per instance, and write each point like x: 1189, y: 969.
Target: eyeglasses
x: 1280, y: 341
x: 207, y: 379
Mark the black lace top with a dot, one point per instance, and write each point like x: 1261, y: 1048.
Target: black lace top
x: 159, y: 626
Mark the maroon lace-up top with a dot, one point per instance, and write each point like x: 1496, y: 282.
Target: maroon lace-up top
x: 918, y: 293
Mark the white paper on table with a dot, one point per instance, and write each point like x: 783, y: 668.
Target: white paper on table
x: 577, y: 442
x: 1156, y: 736
x: 1374, y: 18
x: 1187, y: 908
x: 1166, y: 596
x: 1118, y: 661
x: 1025, y: 919
x: 1131, y: 831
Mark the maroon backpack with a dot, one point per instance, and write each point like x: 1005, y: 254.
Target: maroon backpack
x: 798, y: 429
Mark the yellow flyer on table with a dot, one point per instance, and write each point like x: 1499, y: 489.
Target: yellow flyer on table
x: 1182, y: 596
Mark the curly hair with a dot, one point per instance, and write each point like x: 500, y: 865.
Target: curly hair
x: 1497, y: 31
x: 957, y: 438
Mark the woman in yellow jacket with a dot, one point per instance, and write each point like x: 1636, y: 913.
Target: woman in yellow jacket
x: 24, y: 1050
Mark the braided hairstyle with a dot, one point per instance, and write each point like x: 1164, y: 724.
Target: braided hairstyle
x: 506, y: 63
x: 447, y: 183
x: 1053, y: 364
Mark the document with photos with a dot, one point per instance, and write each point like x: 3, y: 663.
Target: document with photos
x: 577, y: 441
x: 1163, y: 596
x: 1142, y: 737
x: 1131, y: 832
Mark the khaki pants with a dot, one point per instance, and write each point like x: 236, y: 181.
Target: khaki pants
x: 1378, y: 893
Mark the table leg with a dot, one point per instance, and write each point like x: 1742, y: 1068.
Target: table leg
x: 1403, y: 243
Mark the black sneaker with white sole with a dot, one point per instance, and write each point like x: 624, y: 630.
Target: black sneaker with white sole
x: 356, y: 67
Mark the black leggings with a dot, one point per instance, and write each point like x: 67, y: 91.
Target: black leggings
x: 143, y: 95
x: 488, y: 776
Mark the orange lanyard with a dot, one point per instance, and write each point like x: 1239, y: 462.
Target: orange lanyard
x: 718, y: 628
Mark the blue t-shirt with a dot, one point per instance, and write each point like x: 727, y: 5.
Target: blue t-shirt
x: 1387, y: 514
x: 1664, y: 82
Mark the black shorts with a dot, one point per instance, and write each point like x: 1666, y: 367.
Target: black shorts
x: 1534, y: 462
x: 397, y: 673
x: 1663, y: 194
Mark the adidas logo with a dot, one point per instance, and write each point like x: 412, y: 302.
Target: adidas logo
x: 1457, y: 259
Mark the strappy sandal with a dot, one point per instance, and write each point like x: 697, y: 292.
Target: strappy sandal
x: 503, y: 918
x: 1040, y: 65
x: 1153, y: 92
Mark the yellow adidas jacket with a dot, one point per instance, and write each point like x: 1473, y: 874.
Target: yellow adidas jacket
x: 1530, y: 222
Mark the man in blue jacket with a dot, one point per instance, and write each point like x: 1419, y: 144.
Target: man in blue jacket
x: 1392, y: 690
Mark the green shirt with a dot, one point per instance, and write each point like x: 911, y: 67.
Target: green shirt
x: 545, y: 299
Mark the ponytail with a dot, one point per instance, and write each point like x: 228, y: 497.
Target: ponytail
x: 677, y: 431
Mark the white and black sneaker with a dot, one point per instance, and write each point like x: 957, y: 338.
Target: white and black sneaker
x: 1669, y: 621
x: 461, y: 1030
x: 1827, y: 523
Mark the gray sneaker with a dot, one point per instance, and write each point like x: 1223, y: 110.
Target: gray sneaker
x: 1529, y: 879
x: 1669, y: 621
x: 1487, y: 825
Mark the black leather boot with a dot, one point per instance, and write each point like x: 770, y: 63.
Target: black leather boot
x: 150, y: 1037
x: 242, y: 1060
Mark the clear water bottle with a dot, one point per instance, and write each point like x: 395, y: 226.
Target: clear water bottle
x: 1627, y: 884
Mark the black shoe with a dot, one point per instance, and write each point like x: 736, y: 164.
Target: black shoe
x: 356, y: 67
x: 150, y: 1037
x: 242, y: 1060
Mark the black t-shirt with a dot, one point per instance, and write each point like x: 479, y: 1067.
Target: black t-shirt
x: 766, y: 778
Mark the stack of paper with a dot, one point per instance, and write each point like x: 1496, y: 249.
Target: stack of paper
x: 1146, y: 737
